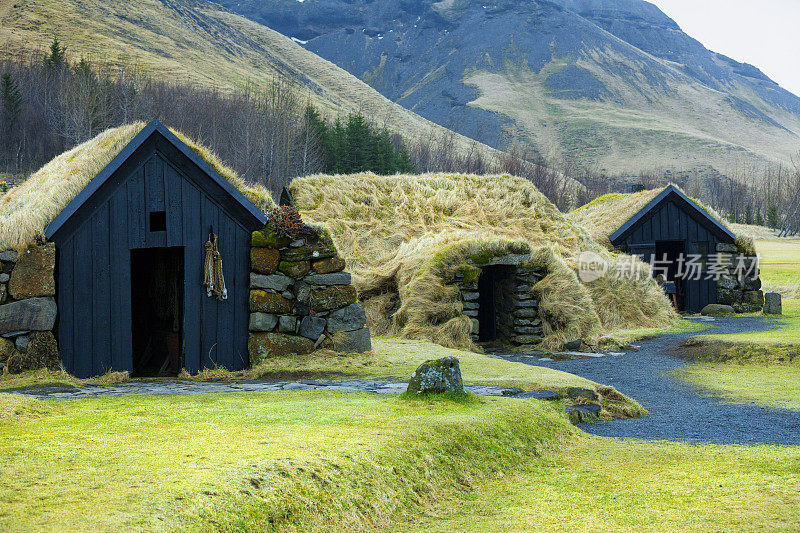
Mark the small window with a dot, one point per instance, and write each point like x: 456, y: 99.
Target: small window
x: 158, y: 221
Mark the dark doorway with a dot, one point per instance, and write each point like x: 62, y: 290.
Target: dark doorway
x: 496, y: 303
x: 157, y: 311
x: 668, y: 254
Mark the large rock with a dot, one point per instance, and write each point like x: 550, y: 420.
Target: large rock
x: 727, y: 248
x: 287, y: 324
x: 263, y: 322
x: 9, y: 256
x: 751, y: 284
x: 33, y: 276
x: 329, y: 265
x: 349, y: 318
x: 264, y: 260
x: 34, y: 314
x: 295, y: 269
x: 330, y: 298
x: 267, y: 302
x: 312, y: 327
x: 773, y: 304
x: 351, y: 341
x: 728, y: 297
x: 336, y: 278
x: 42, y: 352
x: 271, y: 282
x: 717, y: 310
x: 264, y: 345
x: 753, y: 298
x: 321, y: 249
x: 728, y: 283
x: 437, y: 376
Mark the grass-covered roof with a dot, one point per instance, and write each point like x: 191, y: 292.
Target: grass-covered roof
x: 29, y: 207
x: 404, y: 238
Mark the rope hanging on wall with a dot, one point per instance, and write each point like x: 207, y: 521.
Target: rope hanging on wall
x: 213, y: 279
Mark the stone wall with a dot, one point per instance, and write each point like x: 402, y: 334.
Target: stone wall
x: 516, y: 310
x: 744, y: 294
x: 28, y: 309
x: 301, y: 299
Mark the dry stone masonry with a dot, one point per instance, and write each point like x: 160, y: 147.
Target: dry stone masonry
x: 741, y: 292
x: 503, y: 287
x: 28, y: 309
x: 301, y: 299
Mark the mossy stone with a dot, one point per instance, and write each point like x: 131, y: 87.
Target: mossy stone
x: 264, y: 260
x: 437, y: 376
x: 294, y: 269
x: 265, y: 345
x: 469, y: 272
x: 268, y: 238
x: 329, y: 265
x: 332, y: 298
x: 267, y: 302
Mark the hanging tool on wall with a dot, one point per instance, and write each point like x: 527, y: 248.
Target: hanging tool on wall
x: 213, y: 279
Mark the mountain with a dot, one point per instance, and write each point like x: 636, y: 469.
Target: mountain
x: 611, y: 84
x: 200, y: 42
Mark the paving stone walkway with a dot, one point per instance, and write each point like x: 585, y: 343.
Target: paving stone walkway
x: 175, y: 386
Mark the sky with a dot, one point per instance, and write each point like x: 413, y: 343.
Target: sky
x: 764, y: 33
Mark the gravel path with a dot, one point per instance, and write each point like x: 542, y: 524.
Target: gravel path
x: 678, y: 411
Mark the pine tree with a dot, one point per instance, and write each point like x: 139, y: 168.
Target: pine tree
x: 773, y: 218
x: 57, y: 58
x: 12, y: 99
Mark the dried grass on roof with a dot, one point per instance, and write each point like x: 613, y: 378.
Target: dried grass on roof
x: 606, y: 214
x: 405, y: 237
x: 27, y: 209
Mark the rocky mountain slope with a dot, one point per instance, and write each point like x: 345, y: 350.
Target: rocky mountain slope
x: 613, y: 84
x: 199, y: 42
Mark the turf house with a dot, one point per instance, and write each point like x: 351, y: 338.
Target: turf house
x: 665, y: 227
x: 140, y: 251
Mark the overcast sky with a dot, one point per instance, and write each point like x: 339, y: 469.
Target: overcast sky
x: 764, y: 33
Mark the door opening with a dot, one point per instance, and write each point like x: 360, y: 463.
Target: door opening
x: 157, y: 278
x: 496, y: 303
x: 672, y: 251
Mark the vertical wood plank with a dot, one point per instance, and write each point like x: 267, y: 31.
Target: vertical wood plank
x: 66, y: 299
x: 209, y: 351
x: 173, y: 197
x: 83, y: 306
x: 241, y: 297
x: 121, y: 319
x: 101, y: 289
x: 193, y: 291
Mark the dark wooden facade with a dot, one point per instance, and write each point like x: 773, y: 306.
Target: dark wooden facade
x: 673, y: 223
x: 156, y: 177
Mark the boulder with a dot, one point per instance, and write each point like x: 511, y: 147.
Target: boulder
x: 9, y: 256
x: 724, y: 247
x: 270, y: 282
x: 753, y: 298
x: 263, y: 322
x: 329, y: 265
x: 287, y: 324
x: 33, y: 276
x: 773, y: 304
x: 34, y: 314
x: 264, y: 345
x: 267, y: 302
x: 717, y: 310
x: 21, y: 343
x: 323, y: 248
x: 727, y: 283
x: 728, y: 297
x: 312, y: 327
x: 336, y: 278
x: 751, y: 284
x: 42, y: 352
x: 4, y: 277
x: 573, y: 346
x: 349, y: 318
x: 295, y: 269
x: 581, y: 393
x: 351, y: 341
x: 583, y: 413
x: 264, y: 260
x: 331, y: 298
x: 437, y: 376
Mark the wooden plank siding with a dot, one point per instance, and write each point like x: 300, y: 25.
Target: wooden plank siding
x: 94, y: 271
x: 670, y: 220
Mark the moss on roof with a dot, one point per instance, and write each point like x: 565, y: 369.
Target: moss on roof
x: 27, y: 209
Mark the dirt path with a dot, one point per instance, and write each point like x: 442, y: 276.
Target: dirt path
x: 678, y: 411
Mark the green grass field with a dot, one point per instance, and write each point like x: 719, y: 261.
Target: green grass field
x: 602, y: 484
x: 780, y: 265
x: 254, y: 461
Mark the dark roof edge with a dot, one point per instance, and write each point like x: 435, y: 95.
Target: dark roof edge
x: 109, y: 170
x: 658, y: 199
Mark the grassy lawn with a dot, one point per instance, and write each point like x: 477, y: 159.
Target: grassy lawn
x: 626, y: 336
x: 763, y: 368
x: 599, y: 484
x: 253, y: 461
x: 780, y: 265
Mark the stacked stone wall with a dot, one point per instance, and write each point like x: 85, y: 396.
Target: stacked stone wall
x: 28, y: 309
x: 301, y: 299
x: 742, y: 292
x: 516, y: 310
